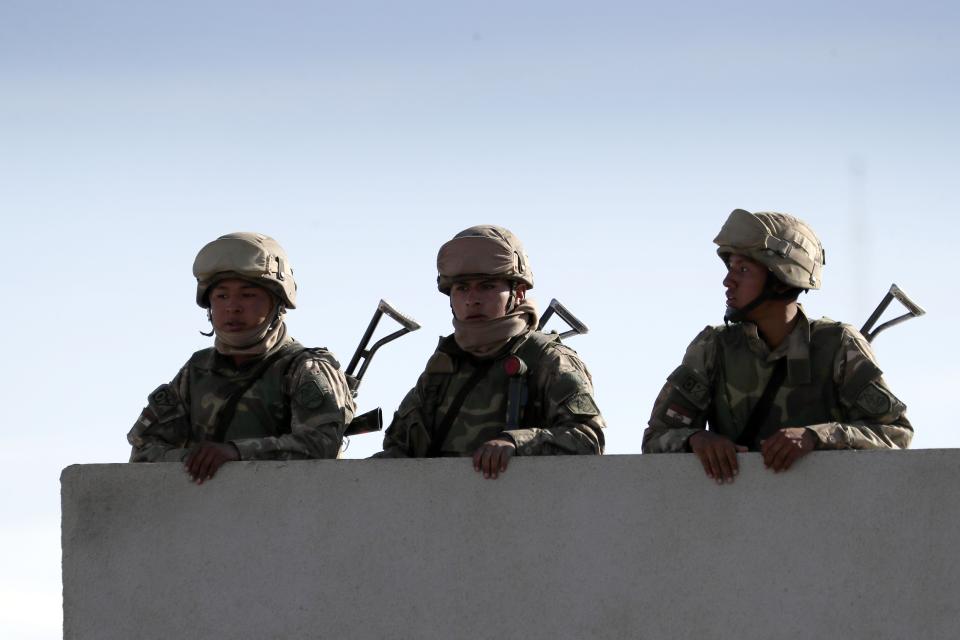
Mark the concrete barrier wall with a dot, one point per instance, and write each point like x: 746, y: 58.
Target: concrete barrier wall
x: 846, y: 545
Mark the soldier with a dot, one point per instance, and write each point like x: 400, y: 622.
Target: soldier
x: 770, y: 379
x: 257, y: 394
x: 459, y: 406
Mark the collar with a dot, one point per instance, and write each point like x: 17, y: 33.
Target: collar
x: 796, y: 348
x: 448, y: 345
x: 213, y: 361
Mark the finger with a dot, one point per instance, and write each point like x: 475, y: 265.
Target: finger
x: 781, y: 455
x: 769, y: 449
x: 505, y: 458
x: 793, y: 453
x: 216, y: 461
x: 715, y: 472
x: 188, y: 462
x: 206, y: 459
x: 705, y: 461
x: 741, y: 448
x: 789, y: 457
x: 487, y: 461
x: 726, y: 473
x: 495, y: 461
x: 732, y: 461
x: 477, y: 455
x: 193, y: 462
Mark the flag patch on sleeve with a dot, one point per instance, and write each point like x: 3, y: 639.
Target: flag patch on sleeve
x: 679, y: 414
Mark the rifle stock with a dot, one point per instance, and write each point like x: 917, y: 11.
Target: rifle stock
x: 372, y: 420
x: 913, y: 311
x: 577, y: 327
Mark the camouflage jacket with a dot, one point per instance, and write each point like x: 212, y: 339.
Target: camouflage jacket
x: 833, y: 386
x: 298, y: 408
x: 560, y: 416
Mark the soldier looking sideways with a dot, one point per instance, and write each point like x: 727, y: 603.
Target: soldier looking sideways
x: 459, y: 406
x: 770, y: 379
x: 257, y: 394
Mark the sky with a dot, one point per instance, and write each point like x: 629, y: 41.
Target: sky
x: 612, y: 137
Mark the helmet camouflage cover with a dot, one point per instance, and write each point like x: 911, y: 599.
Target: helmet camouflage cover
x: 254, y: 257
x: 483, y: 250
x: 786, y: 245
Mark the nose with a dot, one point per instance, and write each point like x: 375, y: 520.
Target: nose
x: 728, y: 280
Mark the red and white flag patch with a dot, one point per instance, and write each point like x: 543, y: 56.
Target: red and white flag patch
x: 679, y: 414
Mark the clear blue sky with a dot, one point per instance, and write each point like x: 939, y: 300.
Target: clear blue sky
x: 613, y: 137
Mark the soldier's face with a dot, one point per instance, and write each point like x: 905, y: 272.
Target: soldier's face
x: 744, y: 280
x: 481, y: 299
x: 237, y: 305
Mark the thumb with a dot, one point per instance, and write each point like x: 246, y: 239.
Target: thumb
x: 742, y: 449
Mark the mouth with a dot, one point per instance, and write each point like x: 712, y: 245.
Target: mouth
x: 234, y: 326
x: 475, y: 317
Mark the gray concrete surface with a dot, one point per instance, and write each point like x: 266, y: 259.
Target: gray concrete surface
x: 846, y: 545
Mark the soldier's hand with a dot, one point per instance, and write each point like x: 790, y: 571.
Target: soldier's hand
x: 205, y: 458
x: 717, y: 454
x: 787, y: 446
x: 493, y: 456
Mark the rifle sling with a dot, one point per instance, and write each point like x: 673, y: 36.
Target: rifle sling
x: 443, y: 429
x: 761, y: 410
x: 225, y: 415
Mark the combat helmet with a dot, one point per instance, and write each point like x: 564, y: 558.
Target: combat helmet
x: 483, y: 250
x: 254, y: 257
x: 786, y: 245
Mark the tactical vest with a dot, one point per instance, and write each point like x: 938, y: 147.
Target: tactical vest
x: 263, y: 408
x: 482, y: 415
x: 808, y: 396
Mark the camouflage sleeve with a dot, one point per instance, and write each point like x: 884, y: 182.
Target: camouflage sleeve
x: 681, y: 408
x: 398, y: 439
x: 408, y: 435
x: 162, y: 432
x: 871, y: 416
x: 573, y: 424
x: 321, y: 407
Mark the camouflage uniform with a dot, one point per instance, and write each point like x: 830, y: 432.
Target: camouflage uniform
x: 297, y: 409
x: 293, y: 403
x: 561, y: 416
x: 833, y: 385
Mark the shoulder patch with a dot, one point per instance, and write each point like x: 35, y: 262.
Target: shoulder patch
x: 582, y: 404
x: 310, y: 394
x: 440, y: 362
x: 690, y: 385
x: 165, y: 403
x: 163, y: 396
x: 873, y: 400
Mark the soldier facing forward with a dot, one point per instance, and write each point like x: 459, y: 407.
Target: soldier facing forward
x: 459, y: 406
x: 257, y: 394
x: 771, y: 380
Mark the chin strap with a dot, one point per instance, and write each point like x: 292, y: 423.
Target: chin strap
x: 210, y: 320
x: 280, y: 309
x: 769, y: 293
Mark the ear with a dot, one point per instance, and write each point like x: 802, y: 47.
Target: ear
x: 521, y: 292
